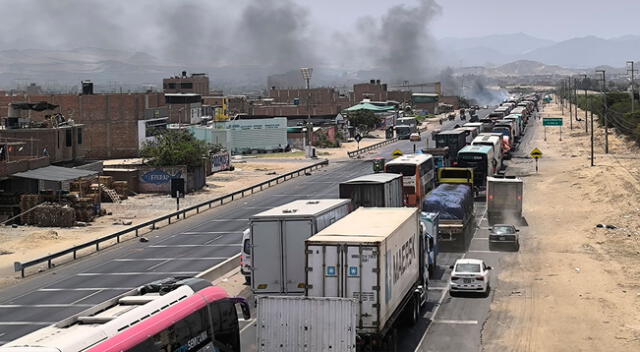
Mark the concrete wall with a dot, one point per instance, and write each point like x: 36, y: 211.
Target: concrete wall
x: 158, y: 179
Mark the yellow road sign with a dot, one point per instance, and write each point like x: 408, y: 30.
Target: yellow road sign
x: 536, y: 153
x: 396, y: 153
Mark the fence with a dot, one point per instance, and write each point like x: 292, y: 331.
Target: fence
x: 357, y: 152
x: 19, y: 266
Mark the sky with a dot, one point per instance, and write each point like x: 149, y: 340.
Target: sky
x: 548, y: 19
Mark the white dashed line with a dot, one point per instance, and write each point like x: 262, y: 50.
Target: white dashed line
x: 461, y: 322
x: 140, y: 273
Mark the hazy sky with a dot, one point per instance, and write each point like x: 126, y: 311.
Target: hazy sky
x: 549, y: 19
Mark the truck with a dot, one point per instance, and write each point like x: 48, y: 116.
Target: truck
x: 440, y: 156
x: 277, y: 242
x: 377, y: 256
x: 375, y: 190
x: 293, y: 324
x: 453, y: 200
x: 429, y: 223
x: 504, y: 199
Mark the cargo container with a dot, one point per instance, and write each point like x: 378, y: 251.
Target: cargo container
x: 377, y: 256
x: 376, y: 190
x: 430, y: 224
x: 277, y: 242
x: 293, y: 324
x: 504, y: 200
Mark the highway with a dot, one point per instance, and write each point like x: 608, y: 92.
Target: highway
x: 185, y: 248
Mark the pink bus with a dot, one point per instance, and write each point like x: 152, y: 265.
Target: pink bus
x: 166, y: 315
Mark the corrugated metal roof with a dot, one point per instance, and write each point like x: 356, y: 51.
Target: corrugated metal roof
x: 55, y: 173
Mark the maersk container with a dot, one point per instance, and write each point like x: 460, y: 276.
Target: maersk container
x: 277, y: 242
x: 294, y: 324
x: 375, y: 255
x: 375, y: 190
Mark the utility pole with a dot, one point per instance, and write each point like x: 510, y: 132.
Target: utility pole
x: 575, y: 94
x: 576, y: 105
x: 591, y: 106
x: 584, y: 83
x: 633, y: 96
x: 604, y: 110
x: 570, y: 98
x: 562, y: 96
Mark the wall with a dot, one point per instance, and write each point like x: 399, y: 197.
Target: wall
x: 257, y: 134
x: 110, y: 119
x: 54, y: 140
x: 129, y: 175
x: 199, y: 84
x: 158, y: 179
x: 374, y: 91
x: 220, y: 161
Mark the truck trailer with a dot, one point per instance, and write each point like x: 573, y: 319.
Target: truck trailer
x: 454, y: 204
x: 504, y: 200
x: 382, y: 190
x: 293, y: 324
x: 377, y: 256
x: 277, y: 242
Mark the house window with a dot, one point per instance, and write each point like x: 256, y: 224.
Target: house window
x: 172, y: 86
x: 69, y: 137
x: 186, y: 85
x: 79, y: 135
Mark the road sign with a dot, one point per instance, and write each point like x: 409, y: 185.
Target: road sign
x: 552, y: 121
x: 536, y: 153
x: 358, y: 138
x: 396, y: 153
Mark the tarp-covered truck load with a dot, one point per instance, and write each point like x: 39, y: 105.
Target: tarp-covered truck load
x: 454, y: 203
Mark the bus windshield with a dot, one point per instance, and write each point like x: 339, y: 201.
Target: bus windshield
x: 405, y: 170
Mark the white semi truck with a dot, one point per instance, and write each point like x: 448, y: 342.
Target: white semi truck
x: 277, y: 242
x: 376, y: 256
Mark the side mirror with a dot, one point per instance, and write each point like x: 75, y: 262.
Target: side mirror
x: 489, y: 268
x: 491, y: 229
x: 450, y: 266
x: 517, y: 230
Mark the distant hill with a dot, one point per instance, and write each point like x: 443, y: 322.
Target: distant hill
x: 588, y: 52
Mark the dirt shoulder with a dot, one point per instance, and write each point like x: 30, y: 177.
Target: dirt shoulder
x: 28, y: 242
x: 574, y: 287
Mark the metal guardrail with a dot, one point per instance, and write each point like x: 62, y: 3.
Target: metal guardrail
x: 357, y: 152
x: 19, y: 266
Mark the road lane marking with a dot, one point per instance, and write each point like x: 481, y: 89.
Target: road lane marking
x: 223, y: 220
x: 439, y: 288
x: 86, y: 289
x: 248, y: 325
x: 194, y: 245
x: 444, y: 294
x: 483, y: 252
x: 481, y: 238
x: 212, y: 233
x: 141, y: 273
x: 85, y: 297
x: 165, y: 259
x: 57, y: 305
x: 213, y: 240
x: 154, y: 266
x: 461, y: 322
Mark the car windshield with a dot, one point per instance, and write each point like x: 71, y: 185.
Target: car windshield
x: 503, y: 229
x: 468, y: 268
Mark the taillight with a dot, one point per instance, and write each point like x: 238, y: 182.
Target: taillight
x: 454, y: 278
x: 491, y: 197
x: 480, y: 278
x: 519, y: 197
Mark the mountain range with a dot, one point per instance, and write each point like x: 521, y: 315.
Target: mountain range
x: 492, y: 56
x: 583, y: 52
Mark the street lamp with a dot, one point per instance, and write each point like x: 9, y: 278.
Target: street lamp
x: 306, y: 74
x: 633, y: 96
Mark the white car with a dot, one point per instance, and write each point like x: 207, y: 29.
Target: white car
x: 470, y: 275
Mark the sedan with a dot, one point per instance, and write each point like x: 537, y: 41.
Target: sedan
x: 470, y: 275
x: 415, y: 137
x: 504, y: 235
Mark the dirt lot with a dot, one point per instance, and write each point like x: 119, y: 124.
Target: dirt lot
x: 28, y: 242
x: 574, y: 287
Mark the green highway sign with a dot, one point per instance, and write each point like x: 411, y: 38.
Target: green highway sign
x: 552, y: 121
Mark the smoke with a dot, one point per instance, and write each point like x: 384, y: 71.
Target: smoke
x: 478, y: 90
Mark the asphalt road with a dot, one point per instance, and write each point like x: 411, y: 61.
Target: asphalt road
x: 185, y: 248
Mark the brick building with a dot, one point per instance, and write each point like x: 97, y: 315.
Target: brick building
x: 294, y: 102
x: 374, y: 91
x: 111, y: 120
x: 197, y: 83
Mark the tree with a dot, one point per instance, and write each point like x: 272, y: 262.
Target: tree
x: 364, y: 120
x: 175, y: 147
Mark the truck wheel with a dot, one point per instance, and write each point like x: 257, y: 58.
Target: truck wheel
x: 414, y: 311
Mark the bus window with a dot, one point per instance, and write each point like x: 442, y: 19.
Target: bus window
x: 405, y: 170
x: 225, y: 325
